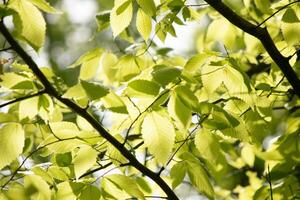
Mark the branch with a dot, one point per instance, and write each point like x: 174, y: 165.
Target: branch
x: 280, y: 9
x: 83, y: 113
x: 23, y: 98
x: 263, y: 35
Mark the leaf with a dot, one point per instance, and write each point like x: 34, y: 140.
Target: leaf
x: 45, y: 6
x: 84, y: 160
x: 102, y: 20
x: 143, y: 24
x: 177, y: 173
x: 128, y: 67
x: 127, y: 184
x: 144, y: 86
x: 164, y: 75
x: 120, y: 21
x: 114, y: 103
x: 68, y: 190
x: 148, y: 7
x: 90, y: 192
x: 28, y: 108
x: 186, y: 96
x: 64, y: 130
x: 123, y: 7
x: 290, y: 33
x: 29, y: 23
x: 179, y: 111
x: 36, y: 186
x: 209, y: 147
x: 198, y: 175
x: 195, y: 62
x: 93, y: 90
x: 159, y: 136
x: 11, y: 143
x: 290, y: 16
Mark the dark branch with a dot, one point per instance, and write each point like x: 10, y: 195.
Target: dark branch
x: 23, y: 98
x: 83, y: 113
x: 263, y: 35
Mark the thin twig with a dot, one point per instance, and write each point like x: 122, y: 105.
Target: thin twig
x: 181, y: 145
x: 5, y: 49
x: 141, y: 113
x: 95, y: 170
x: 280, y: 9
x: 27, y: 157
x: 23, y: 98
x: 197, y: 5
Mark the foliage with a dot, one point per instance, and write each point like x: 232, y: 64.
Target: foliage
x: 224, y: 121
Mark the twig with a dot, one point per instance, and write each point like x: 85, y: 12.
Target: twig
x: 181, y: 145
x: 27, y: 157
x: 95, y: 170
x: 5, y: 49
x: 141, y: 113
x: 197, y: 5
x: 268, y: 178
x: 23, y: 98
x: 280, y: 9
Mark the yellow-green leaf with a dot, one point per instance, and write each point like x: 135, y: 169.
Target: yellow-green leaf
x: 122, y: 20
x: 84, y: 160
x: 29, y: 23
x: 45, y: 6
x: 159, y: 135
x: 143, y: 24
x: 11, y: 143
x: 127, y: 184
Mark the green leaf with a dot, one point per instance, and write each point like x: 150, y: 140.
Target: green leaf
x: 36, y: 187
x: 93, y: 90
x: 114, y: 103
x: 198, y: 175
x: 164, y: 75
x: 29, y: 23
x: 290, y: 33
x: 179, y: 111
x: 45, y: 6
x: 123, y: 7
x: 11, y: 143
x: 127, y: 184
x: 195, y: 62
x: 290, y: 16
x: 159, y: 136
x: 209, y: 147
x: 148, y: 7
x: 186, y: 96
x: 143, y: 24
x: 90, y: 192
x: 102, y: 20
x: 84, y: 160
x: 128, y: 67
x: 122, y: 20
x: 177, y: 173
x: 144, y: 86
x: 68, y: 190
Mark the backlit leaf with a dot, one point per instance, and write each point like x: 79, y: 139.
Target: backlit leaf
x: 11, y: 143
x: 159, y: 136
